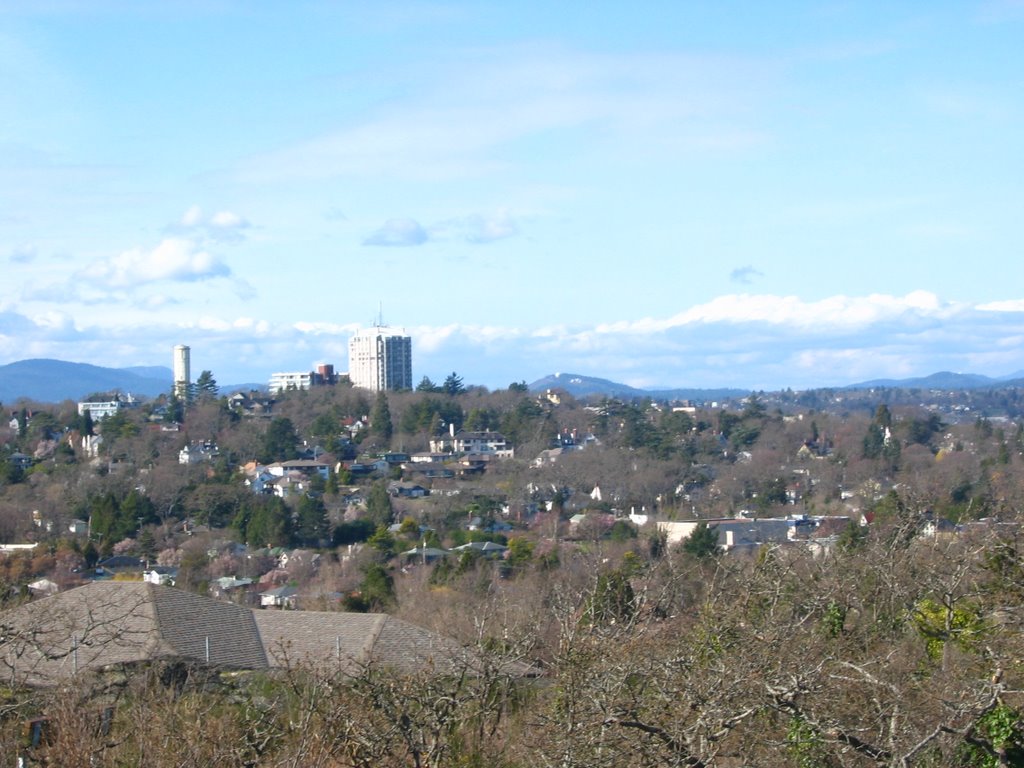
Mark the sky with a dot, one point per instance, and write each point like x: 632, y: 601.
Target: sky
x: 665, y: 194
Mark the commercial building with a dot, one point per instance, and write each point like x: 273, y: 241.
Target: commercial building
x: 282, y: 382
x: 101, y: 408
x: 380, y: 358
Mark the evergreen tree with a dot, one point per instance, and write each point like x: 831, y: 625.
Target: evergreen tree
x: 103, y: 517
x: 879, y: 442
x: 310, y: 522
x: 383, y: 541
x: 426, y: 385
x: 269, y: 523
x: 85, y: 424
x: 453, y: 384
x: 377, y: 588
x: 378, y: 504
x: 136, y: 510
x: 279, y: 440
x: 175, y: 413
x: 206, y: 386
x: 380, y: 418
x: 703, y: 542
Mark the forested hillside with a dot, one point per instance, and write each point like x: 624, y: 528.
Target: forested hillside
x: 887, y: 635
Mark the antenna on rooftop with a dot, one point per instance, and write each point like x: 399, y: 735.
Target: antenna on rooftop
x: 380, y: 315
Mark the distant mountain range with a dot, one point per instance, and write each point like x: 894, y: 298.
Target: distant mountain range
x: 585, y: 386
x: 52, y: 381
x: 945, y: 380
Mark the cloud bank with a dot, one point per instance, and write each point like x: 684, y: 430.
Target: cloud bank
x: 743, y: 341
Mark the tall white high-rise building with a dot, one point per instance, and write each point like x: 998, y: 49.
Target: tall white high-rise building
x: 380, y: 358
x: 182, y: 373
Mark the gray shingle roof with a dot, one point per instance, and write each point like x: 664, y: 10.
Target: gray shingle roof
x: 105, y: 623
x: 108, y: 623
x: 352, y: 640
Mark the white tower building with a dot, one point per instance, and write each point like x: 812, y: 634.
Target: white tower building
x: 380, y: 358
x: 182, y: 374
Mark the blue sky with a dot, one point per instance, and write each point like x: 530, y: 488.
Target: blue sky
x: 700, y: 194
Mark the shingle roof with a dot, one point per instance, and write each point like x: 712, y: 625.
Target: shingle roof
x: 352, y: 640
x: 107, y: 623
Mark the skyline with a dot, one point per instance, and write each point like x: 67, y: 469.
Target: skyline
x: 757, y: 196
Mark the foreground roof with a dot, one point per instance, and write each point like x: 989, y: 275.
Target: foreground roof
x: 352, y: 640
x: 109, y: 623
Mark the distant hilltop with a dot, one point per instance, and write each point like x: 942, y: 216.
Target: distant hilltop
x: 52, y: 381
x: 580, y: 386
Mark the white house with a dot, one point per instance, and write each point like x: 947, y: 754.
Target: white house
x: 484, y: 443
x: 204, y: 450
x: 161, y: 574
x: 282, y: 597
x: 101, y: 409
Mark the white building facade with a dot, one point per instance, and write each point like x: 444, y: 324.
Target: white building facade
x: 182, y: 371
x: 380, y: 358
x: 282, y: 382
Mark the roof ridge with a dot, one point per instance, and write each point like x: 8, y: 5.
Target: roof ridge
x: 372, y: 637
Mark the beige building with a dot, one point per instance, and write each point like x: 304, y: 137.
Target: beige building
x: 380, y: 358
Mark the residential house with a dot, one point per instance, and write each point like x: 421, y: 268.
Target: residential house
x: 119, y: 564
x: 279, y: 597
x: 260, y: 481
x: 425, y: 554
x: 161, y: 574
x: 463, y: 441
x: 552, y: 455
x: 308, y: 467
x: 252, y: 405
x: 428, y: 457
x: 202, y: 450
x: 743, y: 532
x: 408, y: 490
x: 227, y: 587
x: 43, y: 587
x: 485, y: 548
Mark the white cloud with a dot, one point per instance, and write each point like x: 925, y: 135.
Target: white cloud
x: 486, y: 229
x: 1011, y: 305
x: 220, y: 226
x: 324, y: 329
x: 174, y: 260
x: 228, y: 220
x: 475, y: 228
x: 398, y: 233
x: 827, y: 315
